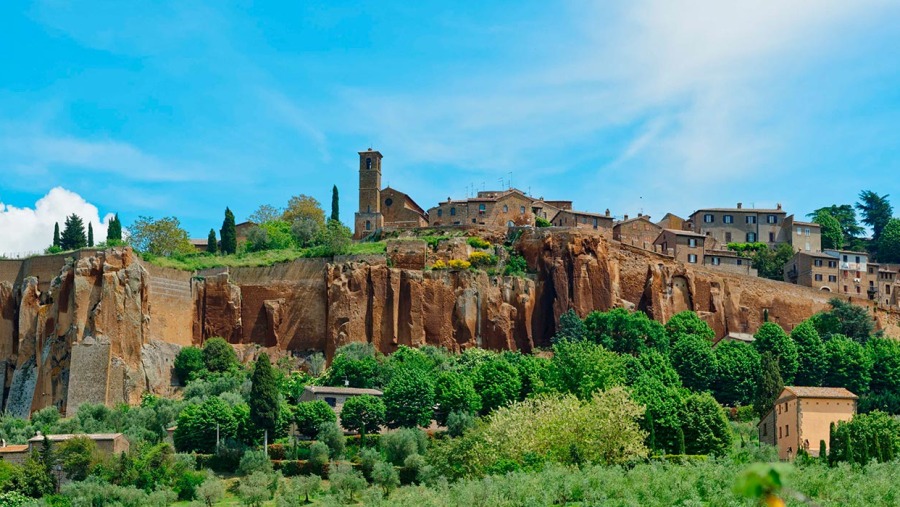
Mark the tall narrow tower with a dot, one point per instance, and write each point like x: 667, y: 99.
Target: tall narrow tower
x: 369, y: 218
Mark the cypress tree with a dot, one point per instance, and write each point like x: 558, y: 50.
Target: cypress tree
x: 823, y: 454
x: 832, y: 446
x: 848, y: 448
x: 114, y: 231
x: 335, y: 207
x: 56, y: 241
x: 211, y: 242
x: 73, y: 236
x: 90, y: 234
x: 264, y: 405
x: 228, y: 233
x: 768, y: 386
x: 681, y: 447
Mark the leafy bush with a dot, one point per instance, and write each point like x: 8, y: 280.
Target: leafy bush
x: 459, y: 422
x: 309, y: 416
x: 254, y: 461
x: 542, y: 222
x: 399, y: 445
x: 318, y: 457
x: 331, y: 435
x: 219, y: 355
x: 345, y: 481
x: 459, y: 264
x: 476, y: 242
x: 188, y: 364
x: 482, y: 259
x: 515, y: 266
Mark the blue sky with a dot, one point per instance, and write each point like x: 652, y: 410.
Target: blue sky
x: 181, y: 108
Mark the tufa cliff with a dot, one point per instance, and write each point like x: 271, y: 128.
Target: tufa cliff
x: 105, y: 327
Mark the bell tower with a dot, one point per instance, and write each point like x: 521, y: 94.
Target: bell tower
x: 369, y: 218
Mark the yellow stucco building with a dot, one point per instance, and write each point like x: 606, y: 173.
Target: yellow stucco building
x: 802, y: 416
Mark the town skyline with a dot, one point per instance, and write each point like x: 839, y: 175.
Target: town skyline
x: 660, y: 109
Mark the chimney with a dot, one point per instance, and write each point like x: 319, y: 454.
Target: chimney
x: 448, y: 198
x: 607, y: 211
x: 779, y: 206
x: 740, y: 205
x: 625, y: 217
x: 640, y: 215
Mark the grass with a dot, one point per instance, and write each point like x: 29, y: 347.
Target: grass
x: 195, y: 262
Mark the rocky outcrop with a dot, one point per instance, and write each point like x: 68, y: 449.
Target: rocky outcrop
x: 107, y: 328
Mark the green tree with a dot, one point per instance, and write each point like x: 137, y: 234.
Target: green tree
x: 401, y: 444
x: 219, y: 355
x: 352, y: 372
x: 571, y: 328
x: 264, y: 397
x: 737, y: 366
x: 653, y: 364
x: 626, y: 332
x: 304, y: 206
x: 688, y: 323
x: 77, y: 457
x: 665, y: 407
x: 769, y: 262
x: 846, y: 216
x: 345, y: 481
x: 332, y: 435
x: 845, y: 319
x: 212, y: 244
x: 454, y: 392
x: 159, y: 237
x: 581, y: 368
x: 189, y: 364
x: 810, y: 354
x: 211, y: 491
x: 497, y: 382
x: 409, y: 399
x: 197, y: 425
x: 306, y: 232
x: 56, y: 240
x: 768, y: 386
x: 114, y: 230
x: 384, y: 475
x: 228, y: 233
x: 73, y: 236
x: 335, y: 205
x: 832, y: 234
x: 337, y: 238
x: 706, y: 429
x: 255, y: 489
x: 309, y: 416
x: 846, y: 365
x: 295, y: 491
x: 693, y: 359
x: 363, y: 414
x: 876, y: 211
x: 889, y: 242
x: 90, y: 235
x: 884, y: 355
x: 265, y: 213
x: 770, y: 337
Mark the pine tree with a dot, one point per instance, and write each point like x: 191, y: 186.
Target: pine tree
x: 211, y: 242
x: 90, y: 235
x: 335, y: 206
x: 73, y: 236
x: 56, y: 240
x: 228, y: 233
x: 264, y: 404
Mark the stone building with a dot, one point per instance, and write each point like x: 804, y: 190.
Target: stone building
x: 813, y: 269
x: 583, y: 220
x: 495, y: 208
x: 12, y: 453
x: 671, y: 221
x: 802, y: 236
x: 802, y: 416
x: 335, y: 397
x: 685, y: 246
x: 638, y: 231
x: 727, y: 260
x: 382, y: 208
x: 853, y: 275
x: 109, y: 444
x: 883, y: 280
x: 739, y: 225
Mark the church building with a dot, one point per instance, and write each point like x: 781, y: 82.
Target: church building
x: 382, y: 209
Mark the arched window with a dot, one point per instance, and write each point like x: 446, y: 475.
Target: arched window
x: 368, y: 163
x: 452, y: 212
x: 505, y: 208
x: 368, y: 225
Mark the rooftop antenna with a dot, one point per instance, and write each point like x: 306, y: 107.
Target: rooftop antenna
x: 509, y: 179
x: 642, y: 204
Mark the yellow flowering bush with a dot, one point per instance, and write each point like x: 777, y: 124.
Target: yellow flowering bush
x: 459, y: 264
x: 480, y: 259
x: 439, y: 264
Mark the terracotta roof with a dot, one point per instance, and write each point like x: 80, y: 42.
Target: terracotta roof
x: 679, y: 232
x: 14, y: 448
x: 342, y: 390
x: 68, y: 436
x: 809, y: 224
x: 645, y: 217
x: 819, y: 392
x: 584, y: 213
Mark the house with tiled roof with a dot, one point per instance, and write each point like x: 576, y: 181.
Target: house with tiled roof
x: 801, y: 418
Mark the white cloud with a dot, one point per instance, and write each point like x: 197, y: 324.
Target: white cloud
x: 30, y: 230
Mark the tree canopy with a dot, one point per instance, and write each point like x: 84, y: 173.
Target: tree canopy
x: 162, y: 237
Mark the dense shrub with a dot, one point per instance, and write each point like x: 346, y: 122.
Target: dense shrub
x: 476, y: 242
x: 399, y: 445
x: 482, y: 259
x: 189, y: 363
x: 309, y: 416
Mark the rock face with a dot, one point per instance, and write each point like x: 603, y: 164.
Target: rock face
x: 106, y: 328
